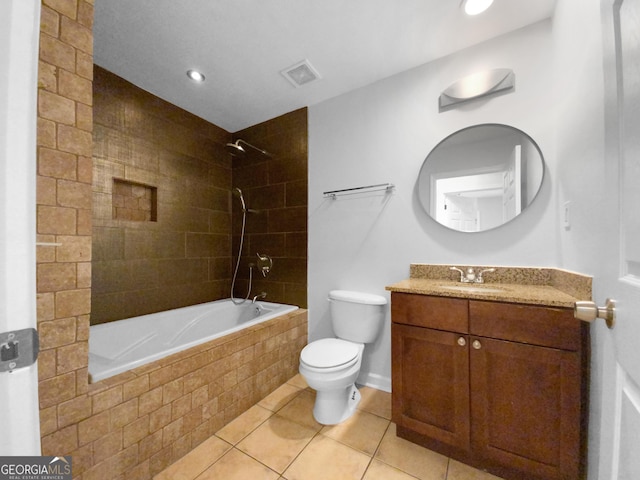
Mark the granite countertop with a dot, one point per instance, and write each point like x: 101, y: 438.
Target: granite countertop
x: 534, y: 286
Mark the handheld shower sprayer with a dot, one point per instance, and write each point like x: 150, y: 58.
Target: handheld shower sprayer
x: 264, y: 262
x: 238, y: 192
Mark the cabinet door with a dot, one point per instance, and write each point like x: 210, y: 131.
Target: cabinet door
x: 525, y: 405
x: 430, y: 371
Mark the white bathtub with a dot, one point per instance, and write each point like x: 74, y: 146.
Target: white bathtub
x: 116, y: 347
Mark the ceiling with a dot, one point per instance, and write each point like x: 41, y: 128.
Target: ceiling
x: 241, y: 46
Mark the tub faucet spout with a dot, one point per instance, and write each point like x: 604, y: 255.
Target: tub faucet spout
x: 261, y: 296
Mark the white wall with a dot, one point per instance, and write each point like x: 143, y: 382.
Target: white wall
x: 383, y: 133
x: 582, y: 172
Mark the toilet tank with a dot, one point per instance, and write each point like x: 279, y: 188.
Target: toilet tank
x: 356, y: 316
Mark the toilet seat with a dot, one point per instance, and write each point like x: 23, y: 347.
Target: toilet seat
x: 329, y: 354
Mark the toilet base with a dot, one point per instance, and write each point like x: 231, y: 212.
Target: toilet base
x: 336, y: 406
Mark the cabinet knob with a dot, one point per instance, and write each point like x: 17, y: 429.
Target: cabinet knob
x: 462, y: 341
x: 476, y: 344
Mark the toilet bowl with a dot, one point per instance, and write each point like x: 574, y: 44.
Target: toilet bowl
x: 331, y: 365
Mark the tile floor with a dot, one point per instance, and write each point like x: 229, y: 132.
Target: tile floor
x: 278, y: 439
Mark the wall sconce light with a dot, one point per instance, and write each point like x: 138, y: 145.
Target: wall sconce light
x: 474, y: 7
x: 476, y: 86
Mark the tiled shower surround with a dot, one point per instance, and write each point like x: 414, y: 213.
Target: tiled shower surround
x: 132, y: 426
x: 276, y: 188
x: 185, y: 255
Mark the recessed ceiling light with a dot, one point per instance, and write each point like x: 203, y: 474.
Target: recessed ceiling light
x: 195, y: 75
x: 474, y: 7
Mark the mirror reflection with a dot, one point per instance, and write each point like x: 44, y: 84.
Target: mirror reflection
x: 480, y: 177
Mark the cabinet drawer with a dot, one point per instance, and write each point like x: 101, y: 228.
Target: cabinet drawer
x: 441, y: 313
x: 545, y: 326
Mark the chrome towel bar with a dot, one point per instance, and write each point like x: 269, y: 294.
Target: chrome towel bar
x: 350, y: 191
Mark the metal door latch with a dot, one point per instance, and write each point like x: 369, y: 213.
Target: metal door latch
x: 18, y: 349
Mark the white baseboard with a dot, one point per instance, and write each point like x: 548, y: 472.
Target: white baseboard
x: 374, y: 380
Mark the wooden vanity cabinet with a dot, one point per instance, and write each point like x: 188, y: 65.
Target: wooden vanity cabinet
x: 501, y: 386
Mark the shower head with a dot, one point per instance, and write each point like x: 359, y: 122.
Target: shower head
x: 235, y: 149
x: 238, y: 150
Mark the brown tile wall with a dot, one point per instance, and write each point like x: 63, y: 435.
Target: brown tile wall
x: 184, y: 257
x: 277, y: 188
x: 133, y: 425
x: 134, y: 201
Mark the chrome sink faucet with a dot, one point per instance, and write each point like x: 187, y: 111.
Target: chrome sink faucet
x: 470, y: 276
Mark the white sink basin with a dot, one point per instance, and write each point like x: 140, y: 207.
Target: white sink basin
x: 472, y: 288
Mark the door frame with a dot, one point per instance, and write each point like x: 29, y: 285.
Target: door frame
x: 20, y: 30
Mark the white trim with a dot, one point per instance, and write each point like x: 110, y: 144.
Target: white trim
x: 19, y: 35
x: 374, y: 380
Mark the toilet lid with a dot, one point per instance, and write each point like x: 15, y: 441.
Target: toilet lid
x: 329, y: 352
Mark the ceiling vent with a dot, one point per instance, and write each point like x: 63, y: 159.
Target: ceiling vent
x: 301, y: 73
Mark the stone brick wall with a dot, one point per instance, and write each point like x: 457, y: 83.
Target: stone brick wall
x: 139, y: 422
x: 64, y: 175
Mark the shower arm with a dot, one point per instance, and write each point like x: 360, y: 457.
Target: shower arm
x: 264, y: 152
x: 236, y: 149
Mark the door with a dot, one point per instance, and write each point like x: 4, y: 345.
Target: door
x: 619, y: 275
x: 512, y: 186
x: 461, y: 213
x: 19, y: 29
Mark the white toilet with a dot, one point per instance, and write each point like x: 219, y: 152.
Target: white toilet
x: 331, y: 365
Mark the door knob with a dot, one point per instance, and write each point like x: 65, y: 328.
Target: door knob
x: 589, y: 311
x: 476, y: 344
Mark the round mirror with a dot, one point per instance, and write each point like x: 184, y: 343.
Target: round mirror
x: 480, y: 177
